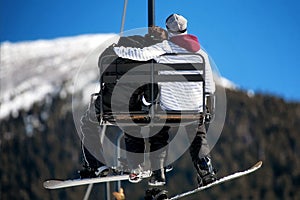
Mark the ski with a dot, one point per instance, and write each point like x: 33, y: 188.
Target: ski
x: 57, y: 184
x: 219, y: 181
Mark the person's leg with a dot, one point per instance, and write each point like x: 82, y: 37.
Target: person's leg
x: 158, y: 154
x: 91, y: 149
x: 135, y: 147
x: 200, y: 154
x: 199, y: 147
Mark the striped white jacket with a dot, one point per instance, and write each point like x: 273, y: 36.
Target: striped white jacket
x: 174, y: 95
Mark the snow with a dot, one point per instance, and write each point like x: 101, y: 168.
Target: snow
x: 29, y: 71
x: 224, y: 82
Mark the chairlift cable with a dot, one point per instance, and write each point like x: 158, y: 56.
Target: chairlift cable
x: 151, y: 13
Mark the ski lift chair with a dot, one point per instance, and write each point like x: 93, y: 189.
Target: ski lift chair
x: 114, y: 70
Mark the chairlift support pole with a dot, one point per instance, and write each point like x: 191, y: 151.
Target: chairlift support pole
x: 151, y: 13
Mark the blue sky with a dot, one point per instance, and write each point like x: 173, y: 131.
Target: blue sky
x: 255, y: 43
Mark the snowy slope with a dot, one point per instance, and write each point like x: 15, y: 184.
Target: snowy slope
x: 31, y: 70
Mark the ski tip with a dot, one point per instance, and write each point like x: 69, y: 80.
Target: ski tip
x: 46, y: 184
x: 51, y: 183
x: 258, y: 164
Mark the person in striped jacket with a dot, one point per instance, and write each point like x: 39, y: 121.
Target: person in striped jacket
x: 178, y: 95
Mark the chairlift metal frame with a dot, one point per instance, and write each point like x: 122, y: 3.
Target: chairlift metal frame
x: 112, y: 70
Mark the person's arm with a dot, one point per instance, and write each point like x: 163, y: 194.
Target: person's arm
x: 209, y: 81
x: 210, y: 84
x: 140, y: 54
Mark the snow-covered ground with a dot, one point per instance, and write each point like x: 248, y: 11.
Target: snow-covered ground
x: 29, y: 71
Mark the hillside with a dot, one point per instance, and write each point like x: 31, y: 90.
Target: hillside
x: 41, y: 143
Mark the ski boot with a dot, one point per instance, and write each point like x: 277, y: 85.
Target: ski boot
x: 206, y: 172
x: 137, y: 174
x: 156, y: 194
x: 158, y: 178
x: 89, y: 172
